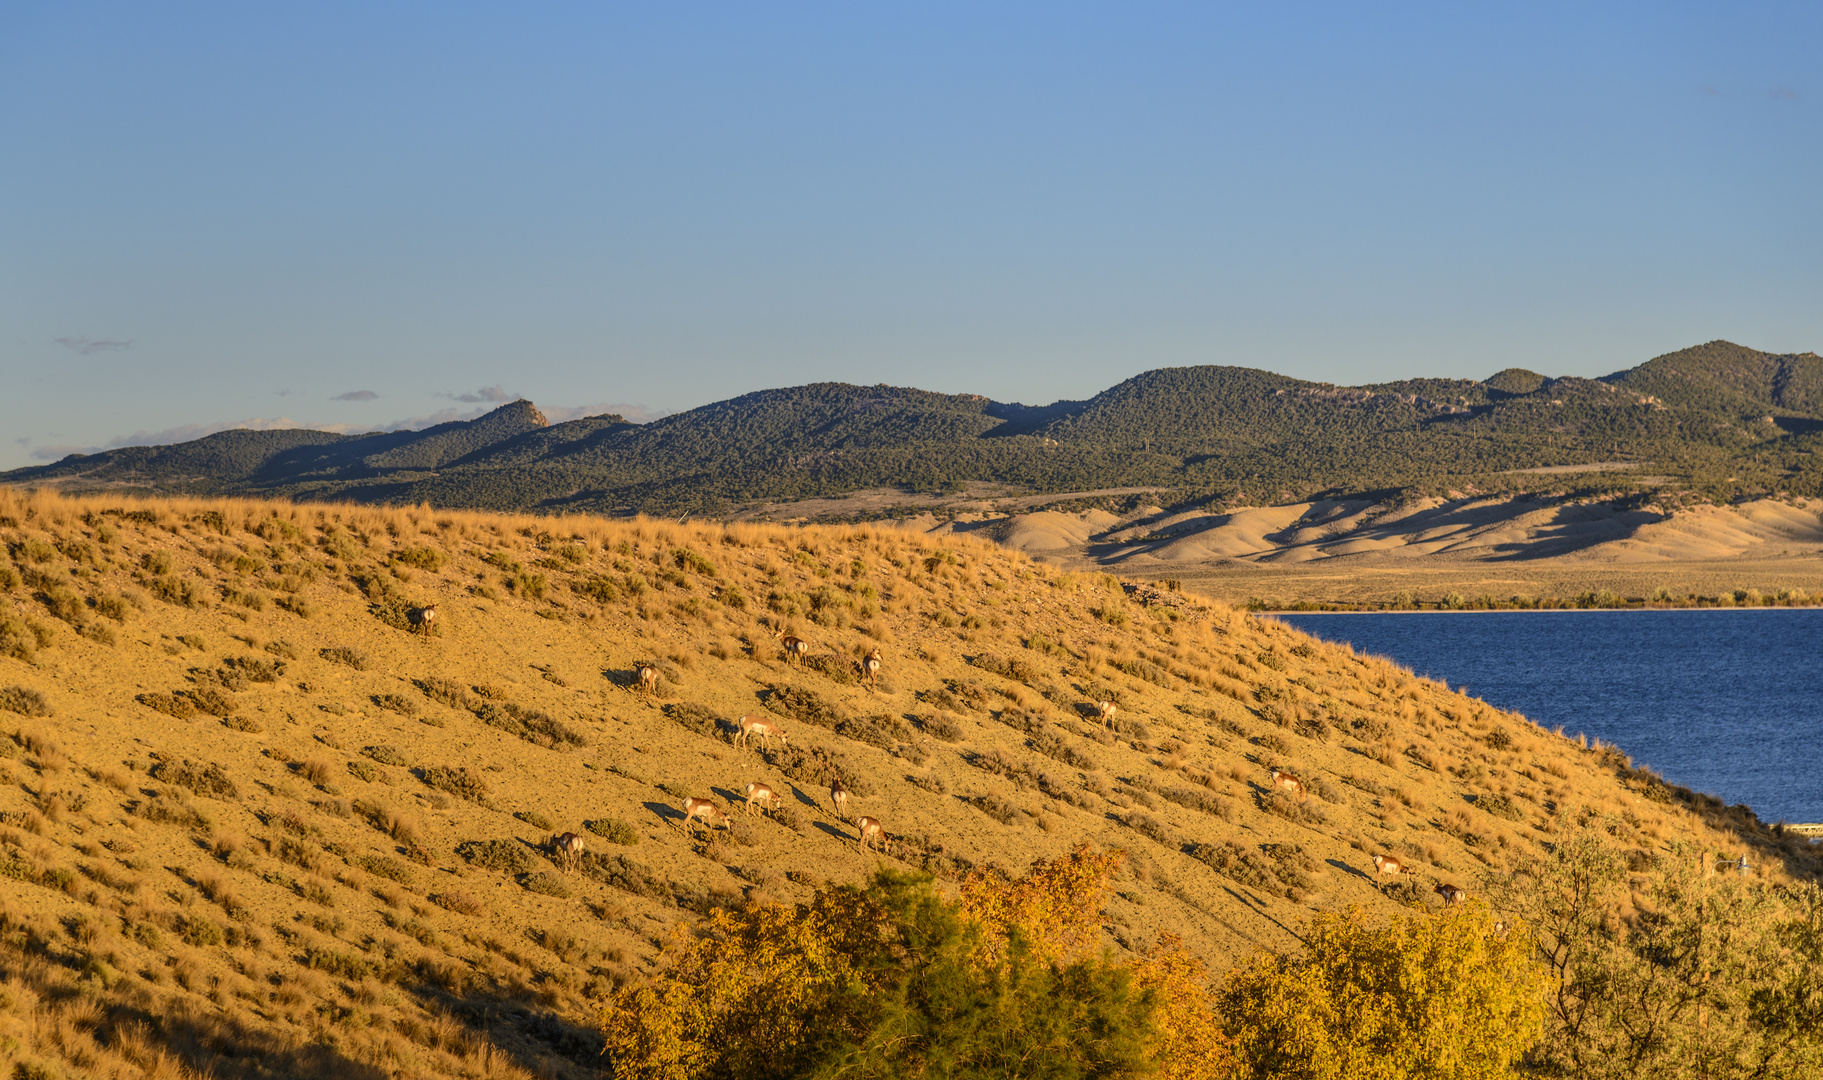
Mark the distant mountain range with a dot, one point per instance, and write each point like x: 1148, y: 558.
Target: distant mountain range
x: 1721, y: 420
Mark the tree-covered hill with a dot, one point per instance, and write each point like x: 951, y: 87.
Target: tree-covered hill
x: 1720, y: 419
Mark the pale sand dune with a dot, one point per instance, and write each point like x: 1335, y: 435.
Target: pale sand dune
x: 1048, y: 530
x: 1522, y: 532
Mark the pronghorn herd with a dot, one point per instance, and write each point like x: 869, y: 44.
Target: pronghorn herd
x: 698, y: 812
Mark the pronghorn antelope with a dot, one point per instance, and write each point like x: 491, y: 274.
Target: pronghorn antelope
x: 427, y: 619
x: 1452, y: 895
x: 838, y: 794
x: 871, y: 665
x: 570, y: 848
x: 1288, y: 782
x: 1389, y: 864
x: 796, y: 648
x: 759, y: 725
x: 1105, y: 710
x: 700, y: 810
x: 760, y: 795
x: 645, y: 679
x: 870, y: 828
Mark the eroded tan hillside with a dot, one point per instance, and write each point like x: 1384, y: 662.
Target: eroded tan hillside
x: 256, y: 824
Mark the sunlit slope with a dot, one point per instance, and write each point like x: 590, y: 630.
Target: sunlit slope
x: 252, y: 811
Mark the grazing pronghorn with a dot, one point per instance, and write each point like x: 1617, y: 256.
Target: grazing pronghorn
x: 1288, y: 782
x: 759, y: 725
x: 1389, y: 864
x: 570, y: 848
x: 1500, y: 929
x: 427, y: 619
x: 760, y: 795
x: 645, y: 679
x: 1452, y: 895
x: 871, y: 665
x: 700, y: 810
x: 838, y: 794
x: 1105, y: 710
x: 870, y: 828
x: 796, y: 648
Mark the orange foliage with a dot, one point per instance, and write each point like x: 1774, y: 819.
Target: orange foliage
x: 1056, y: 905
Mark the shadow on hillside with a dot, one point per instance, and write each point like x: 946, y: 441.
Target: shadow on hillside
x: 665, y: 812
x: 625, y: 678
x: 221, y: 1046
x: 1258, y: 907
x: 1352, y: 871
x: 516, y: 1025
x: 804, y: 799
x: 839, y: 834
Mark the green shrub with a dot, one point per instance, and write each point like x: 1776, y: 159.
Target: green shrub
x: 532, y: 725
x: 398, y: 703
x: 546, y: 883
x: 387, y: 755
x: 1501, y: 806
x: 181, y: 592
x: 801, y: 703
x: 995, y: 807
x: 24, y: 701
x: 460, y: 781
x: 534, y: 819
x: 940, y: 727
x: 446, y: 692
x: 506, y: 856
x: 200, y: 932
x: 210, y: 780
x: 424, y: 558
x: 613, y: 830
x: 342, y: 654
x: 386, y: 867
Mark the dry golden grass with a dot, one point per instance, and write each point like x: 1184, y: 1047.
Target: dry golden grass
x: 344, y: 868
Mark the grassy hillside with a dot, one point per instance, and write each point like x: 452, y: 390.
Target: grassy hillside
x: 1720, y: 420
x: 253, y: 824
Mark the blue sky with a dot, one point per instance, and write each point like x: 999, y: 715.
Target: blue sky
x: 363, y: 215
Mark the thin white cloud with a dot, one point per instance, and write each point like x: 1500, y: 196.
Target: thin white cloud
x: 356, y: 395
x: 638, y: 414
x: 88, y: 346
x: 486, y: 393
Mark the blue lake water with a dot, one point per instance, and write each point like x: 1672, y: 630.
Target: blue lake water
x: 1725, y: 702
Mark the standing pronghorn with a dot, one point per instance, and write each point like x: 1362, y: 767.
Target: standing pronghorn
x: 427, y: 619
x: 796, y: 648
x: 1389, y: 864
x: 569, y: 848
x: 645, y: 679
x: 1288, y: 782
x: 870, y: 830
x: 871, y: 666
x: 1452, y: 894
x: 838, y: 794
x: 764, y: 728
x: 761, y: 795
x: 700, y: 810
x: 1106, y: 710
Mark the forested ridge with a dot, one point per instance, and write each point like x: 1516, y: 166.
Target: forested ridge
x: 1716, y: 422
